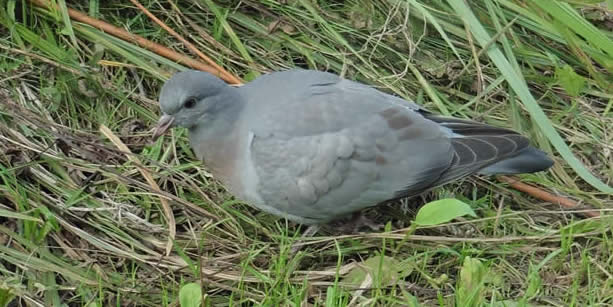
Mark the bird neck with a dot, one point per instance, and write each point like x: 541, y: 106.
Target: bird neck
x: 214, y: 137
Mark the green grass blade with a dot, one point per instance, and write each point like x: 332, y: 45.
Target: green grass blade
x: 20, y: 216
x: 67, y: 23
x: 564, y: 13
x: 101, y: 220
x: 437, y: 25
x: 518, y: 84
x: 222, y: 18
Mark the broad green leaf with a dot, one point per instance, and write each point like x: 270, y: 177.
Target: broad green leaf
x: 471, y: 283
x: 572, y: 82
x: 6, y: 296
x: 385, y: 269
x: 442, y: 211
x: 411, y: 300
x: 190, y: 295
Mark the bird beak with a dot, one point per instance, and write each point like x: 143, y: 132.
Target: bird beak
x: 163, y: 125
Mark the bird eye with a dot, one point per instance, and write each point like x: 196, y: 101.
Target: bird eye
x: 190, y: 102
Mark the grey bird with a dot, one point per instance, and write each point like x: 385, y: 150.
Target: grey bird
x: 312, y: 147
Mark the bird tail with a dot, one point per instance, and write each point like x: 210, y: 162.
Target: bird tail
x: 484, y: 149
x: 529, y: 160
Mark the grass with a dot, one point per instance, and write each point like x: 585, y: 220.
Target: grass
x: 79, y: 225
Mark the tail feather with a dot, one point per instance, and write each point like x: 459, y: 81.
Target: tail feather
x: 485, y: 149
x: 530, y: 160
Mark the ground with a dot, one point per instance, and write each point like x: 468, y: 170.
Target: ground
x: 80, y: 224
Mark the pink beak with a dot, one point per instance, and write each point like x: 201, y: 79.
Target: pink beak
x: 162, y: 126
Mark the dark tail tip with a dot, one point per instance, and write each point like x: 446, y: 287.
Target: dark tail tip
x: 529, y: 160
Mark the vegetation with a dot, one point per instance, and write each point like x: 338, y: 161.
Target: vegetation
x: 81, y: 225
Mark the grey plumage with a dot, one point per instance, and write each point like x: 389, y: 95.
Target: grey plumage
x: 311, y: 146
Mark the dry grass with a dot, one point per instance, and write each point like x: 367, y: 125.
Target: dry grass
x: 79, y: 224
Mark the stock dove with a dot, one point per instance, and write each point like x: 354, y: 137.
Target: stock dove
x: 312, y: 147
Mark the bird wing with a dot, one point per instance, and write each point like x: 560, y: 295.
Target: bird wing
x: 330, y: 146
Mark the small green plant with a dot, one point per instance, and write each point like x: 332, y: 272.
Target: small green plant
x: 471, y: 285
x: 442, y: 211
x: 190, y: 295
x: 6, y: 296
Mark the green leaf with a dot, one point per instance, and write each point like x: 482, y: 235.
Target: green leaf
x: 385, y: 269
x: 442, y: 211
x: 572, y: 82
x: 6, y: 296
x: 410, y: 300
x: 190, y: 295
x: 471, y: 284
